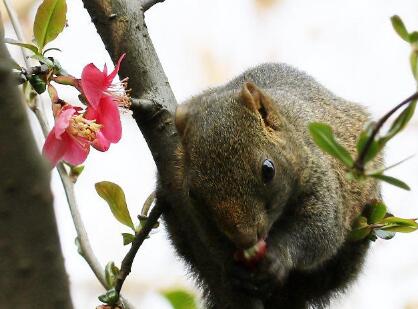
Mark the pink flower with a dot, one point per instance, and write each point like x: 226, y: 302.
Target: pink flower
x: 102, y: 103
x: 71, y: 137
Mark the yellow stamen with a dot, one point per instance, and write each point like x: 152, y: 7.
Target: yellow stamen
x: 81, y: 127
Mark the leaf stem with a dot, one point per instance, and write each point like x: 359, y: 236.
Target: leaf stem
x: 359, y: 163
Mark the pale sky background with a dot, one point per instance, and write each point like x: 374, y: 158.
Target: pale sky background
x: 349, y: 46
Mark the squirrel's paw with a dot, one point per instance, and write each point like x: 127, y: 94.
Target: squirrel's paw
x: 262, y: 280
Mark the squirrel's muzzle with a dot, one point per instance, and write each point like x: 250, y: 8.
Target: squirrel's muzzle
x: 243, y: 228
x: 243, y: 237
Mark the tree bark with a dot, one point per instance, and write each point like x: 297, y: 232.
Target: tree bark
x: 31, y: 263
x: 122, y: 28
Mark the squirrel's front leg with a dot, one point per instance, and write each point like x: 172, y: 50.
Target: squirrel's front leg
x: 301, y: 240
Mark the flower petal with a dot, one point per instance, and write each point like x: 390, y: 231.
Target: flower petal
x: 101, y: 143
x: 76, y: 151
x: 91, y: 113
x: 115, y: 71
x: 54, y: 148
x: 108, y: 116
x: 93, y: 83
x: 63, y: 121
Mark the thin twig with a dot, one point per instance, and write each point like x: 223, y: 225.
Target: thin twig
x: 86, y: 250
x: 359, y: 163
x: 35, y: 70
x: 147, y: 4
x: 17, y: 28
x: 25, y: 73
x: 136, y: 244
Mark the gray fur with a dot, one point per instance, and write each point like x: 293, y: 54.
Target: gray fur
x: 310, y: 203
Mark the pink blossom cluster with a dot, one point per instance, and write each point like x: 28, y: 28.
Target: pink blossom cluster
x: 98, y: 125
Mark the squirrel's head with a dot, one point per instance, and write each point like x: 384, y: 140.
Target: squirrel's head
x: 238, y: 160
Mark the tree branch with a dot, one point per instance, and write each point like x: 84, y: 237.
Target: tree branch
x: 136, y: 244
x: 359, y: 163
x: 147, y: 4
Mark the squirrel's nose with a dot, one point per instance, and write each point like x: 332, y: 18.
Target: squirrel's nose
x: 244, y: 237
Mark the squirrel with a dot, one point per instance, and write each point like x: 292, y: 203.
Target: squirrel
x: 260, y: 191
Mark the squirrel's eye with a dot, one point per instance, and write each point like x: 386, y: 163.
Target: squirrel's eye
x: 267, y: 170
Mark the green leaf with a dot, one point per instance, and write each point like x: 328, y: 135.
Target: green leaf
x: 180, y: 299
x: 359, y: 234
x: 43, y: 60
x: 29, y: 46
x: 49, y: 22
x: 115, y: 198
x: 324, y: 138
x: 413, y: 60
x: 401, y: 225
x: 413, y: 37
x: 37, y: 83
x: 384, y: 234
x: 127, y: 238
x: 400, y: 221
x: 399, y: 27
x: 399, y: 228
x: 375, y: 146
x: 391, y: 180
x: 360, y: 229
x: 111, y: 297
x: 380, y: 171
x: 400, y: 122
x: 111, y: 274
x: 378, y: 212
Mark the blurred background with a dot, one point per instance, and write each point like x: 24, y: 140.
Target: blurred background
x: 347, y: 45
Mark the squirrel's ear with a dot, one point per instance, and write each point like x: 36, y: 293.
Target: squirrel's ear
x: 256, y: 101
x: 181, y: 118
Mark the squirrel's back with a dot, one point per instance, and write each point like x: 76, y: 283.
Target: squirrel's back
x: 316, y: 102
